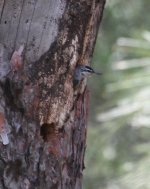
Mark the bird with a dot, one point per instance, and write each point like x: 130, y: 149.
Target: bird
x: 82, y: 72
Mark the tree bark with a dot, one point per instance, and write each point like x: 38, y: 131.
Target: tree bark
x: 43, y: 117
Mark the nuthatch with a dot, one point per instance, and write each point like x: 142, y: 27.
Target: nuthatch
x: 83, y: 71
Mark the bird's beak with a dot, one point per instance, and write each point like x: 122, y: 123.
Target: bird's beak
x: 98, y: 73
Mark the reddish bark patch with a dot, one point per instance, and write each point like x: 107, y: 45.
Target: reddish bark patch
x: 52, y: 137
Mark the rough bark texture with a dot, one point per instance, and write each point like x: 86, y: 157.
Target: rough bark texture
x: 43, y: 117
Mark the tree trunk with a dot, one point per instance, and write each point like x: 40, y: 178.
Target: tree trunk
x: 43, y: 117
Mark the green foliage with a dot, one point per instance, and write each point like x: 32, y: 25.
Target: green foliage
x: 118, y: 151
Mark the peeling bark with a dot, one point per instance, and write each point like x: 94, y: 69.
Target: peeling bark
x: 43, y: 118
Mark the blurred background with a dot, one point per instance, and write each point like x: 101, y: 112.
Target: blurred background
x: 118, y: 142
